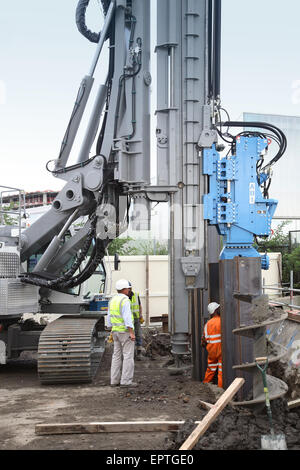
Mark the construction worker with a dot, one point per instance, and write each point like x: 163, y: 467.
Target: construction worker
x: 120, y: 320
x: 211, y: 339
x: 136, y: 309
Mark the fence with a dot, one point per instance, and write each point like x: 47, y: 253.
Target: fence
x: 285, y: 290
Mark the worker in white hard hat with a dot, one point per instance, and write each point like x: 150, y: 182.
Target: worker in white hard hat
x: 120, y: 320
x: 211, y: 339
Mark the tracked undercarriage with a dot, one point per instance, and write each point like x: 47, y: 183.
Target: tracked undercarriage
x: 70, y: 350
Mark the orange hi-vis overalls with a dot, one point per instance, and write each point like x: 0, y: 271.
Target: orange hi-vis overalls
x: 212, y: 334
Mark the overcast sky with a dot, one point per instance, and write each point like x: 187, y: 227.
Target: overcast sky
x: 43, y: 58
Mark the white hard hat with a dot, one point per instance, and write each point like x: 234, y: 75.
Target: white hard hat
x: 212, y: 307
x: 122, y: 284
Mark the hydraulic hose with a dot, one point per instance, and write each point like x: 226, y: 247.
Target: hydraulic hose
x: 31, y: 278
x: 81, y: 24
x: 270, y: 127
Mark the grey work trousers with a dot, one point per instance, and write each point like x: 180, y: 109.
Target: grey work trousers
x: 122, y: 364
x: 138, y: 333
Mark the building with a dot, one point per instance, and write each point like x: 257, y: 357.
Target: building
x: 32, y: 199
x: 285, y: 180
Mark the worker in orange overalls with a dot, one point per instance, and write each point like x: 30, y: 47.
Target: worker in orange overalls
x: 211, y: 339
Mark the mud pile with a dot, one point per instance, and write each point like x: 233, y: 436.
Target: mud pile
x: 290, y: 374
x: 156, y: 343
x: 238, y: 428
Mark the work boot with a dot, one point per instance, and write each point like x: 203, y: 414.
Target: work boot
x: 133, y: 384
x: 138, y: 355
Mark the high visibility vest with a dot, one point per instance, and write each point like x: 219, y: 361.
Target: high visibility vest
x: 115, y: 309
x: 212, y: 333
x: 135, y: 306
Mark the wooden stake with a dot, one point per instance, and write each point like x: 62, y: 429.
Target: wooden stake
x: 98, y: 427
x: 205, y: 405
x: 212, y: 414
x: 294, y: 403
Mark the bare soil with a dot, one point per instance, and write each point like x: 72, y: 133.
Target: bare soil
x: 159, y: 396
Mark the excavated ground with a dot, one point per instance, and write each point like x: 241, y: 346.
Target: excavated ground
x: 159, y: 396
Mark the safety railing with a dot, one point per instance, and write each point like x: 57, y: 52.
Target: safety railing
x: 12, y: 208
x: 284, y: 290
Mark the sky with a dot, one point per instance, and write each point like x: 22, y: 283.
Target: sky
x: 43, y: 58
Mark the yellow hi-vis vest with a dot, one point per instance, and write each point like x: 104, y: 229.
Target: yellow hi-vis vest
x: 115, y: 309
x: 135, y: 306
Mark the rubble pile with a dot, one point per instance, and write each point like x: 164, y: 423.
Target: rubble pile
x: 290, y: 374
x: 239, y: 428
x: 156, y: 343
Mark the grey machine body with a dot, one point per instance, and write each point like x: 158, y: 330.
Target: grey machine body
x: 103, y: 185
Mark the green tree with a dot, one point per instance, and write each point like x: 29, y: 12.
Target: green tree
x: 130, y: 247
x: 8, y: 219
x: 153, y: 247
x: 291, y: 262
x: 278, y: 242
x: 122, y: 246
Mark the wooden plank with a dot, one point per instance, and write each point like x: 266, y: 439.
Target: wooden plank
x: 294, y: 403
x: 212, y: 414
x: 292, y: 315
x: 99, y: 427
x: 159, y: 318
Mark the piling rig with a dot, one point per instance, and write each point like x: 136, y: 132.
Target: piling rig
x: 209, y: 195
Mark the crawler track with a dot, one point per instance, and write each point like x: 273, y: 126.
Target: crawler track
x: 70, y: 350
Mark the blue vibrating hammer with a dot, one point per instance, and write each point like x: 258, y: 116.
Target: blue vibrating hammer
x: 235, y: 202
